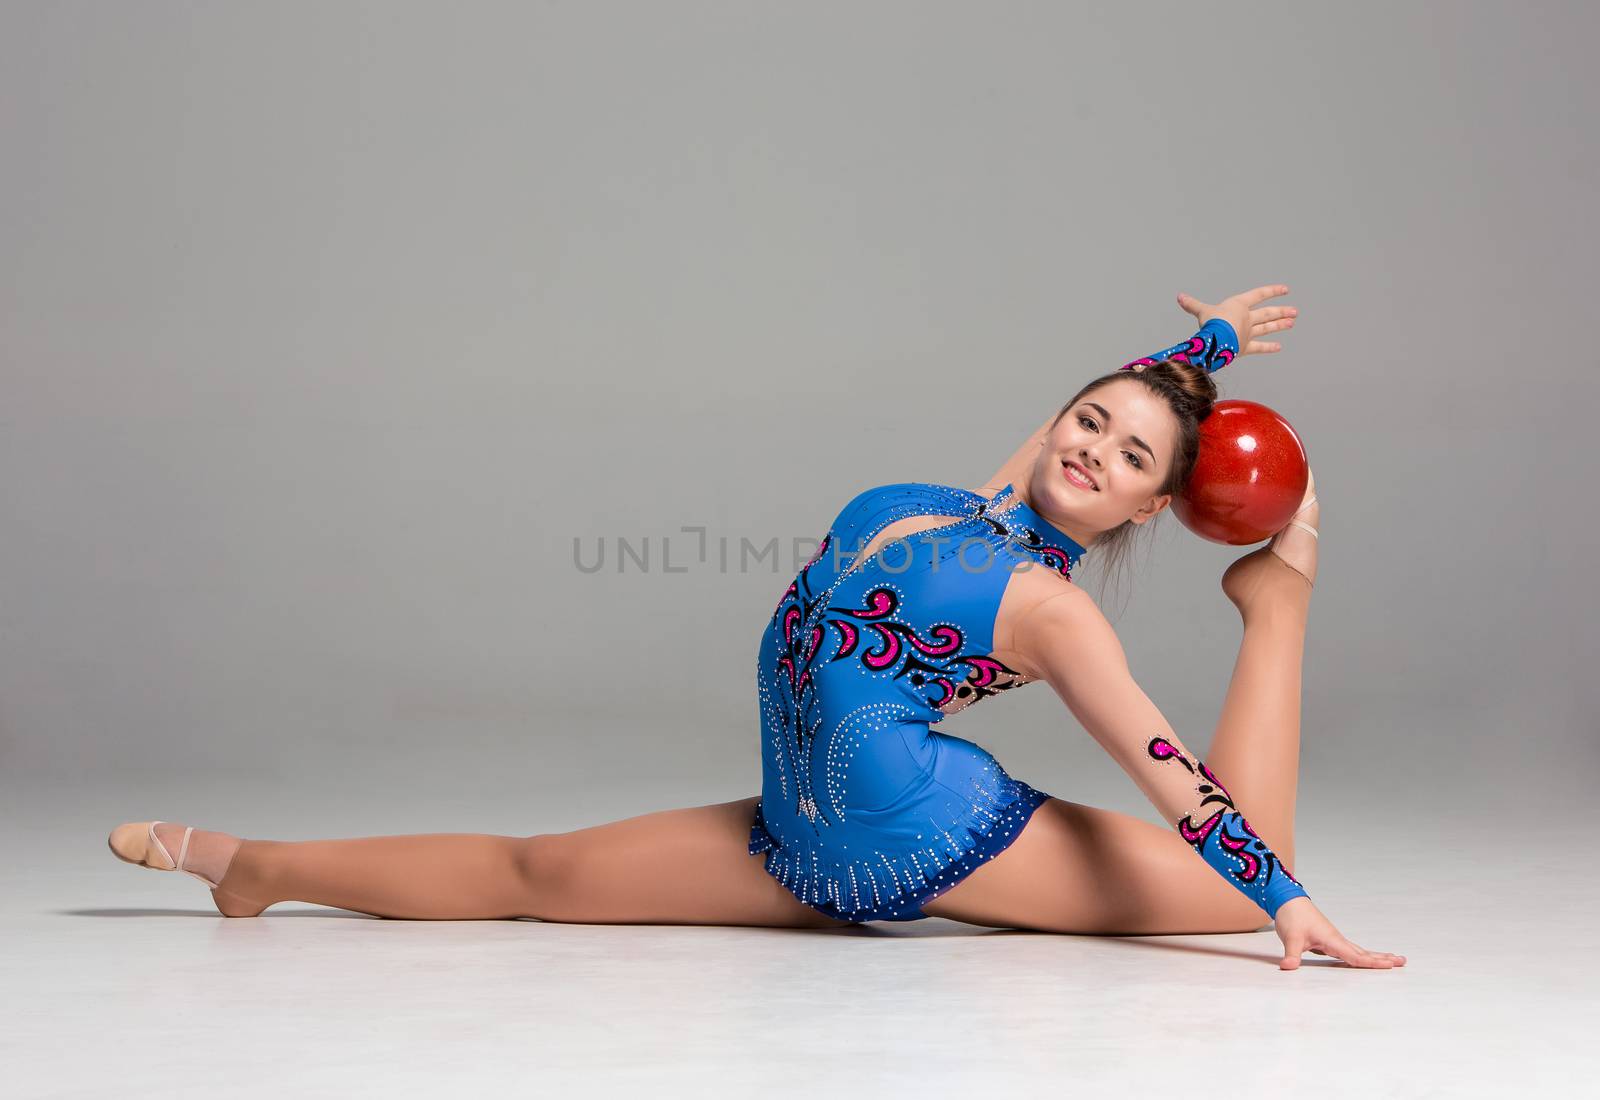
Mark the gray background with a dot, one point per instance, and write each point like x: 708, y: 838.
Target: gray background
x: 326, y: 329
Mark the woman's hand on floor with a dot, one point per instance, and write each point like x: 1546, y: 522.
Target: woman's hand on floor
x: 1249, y: 318
x: 1302, y: 927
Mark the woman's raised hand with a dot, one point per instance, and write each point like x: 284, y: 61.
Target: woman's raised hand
x: 1249, y: 318
x: 1302, y: 927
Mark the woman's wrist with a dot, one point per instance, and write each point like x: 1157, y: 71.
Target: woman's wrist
x: 1293, y: 905
x: 1227, y: 334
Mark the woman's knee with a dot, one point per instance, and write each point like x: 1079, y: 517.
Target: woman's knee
x: 544, y: 870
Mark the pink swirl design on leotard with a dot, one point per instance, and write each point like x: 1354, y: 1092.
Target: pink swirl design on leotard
x: 790, y: 618
x: 951, y: 643
x: 927, y: 659
x: 1215, y: 782
x: 984, y: 679
x: 886, y: 655
x: 788, y: 594
x: 786, y: 662
x: 1272, y: 859
x: 1162, y: 749
x: 1196, y: 834
x: 883, y: 600
x: 1236, y: 846
x: 1055, y: 559
x: 985, y: 670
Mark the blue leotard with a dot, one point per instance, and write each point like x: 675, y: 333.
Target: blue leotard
x: 866, y: 813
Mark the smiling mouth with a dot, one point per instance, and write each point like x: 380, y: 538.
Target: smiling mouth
x: 1078, y: 476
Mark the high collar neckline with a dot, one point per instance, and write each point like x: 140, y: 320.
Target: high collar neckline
x: 1012, y: 516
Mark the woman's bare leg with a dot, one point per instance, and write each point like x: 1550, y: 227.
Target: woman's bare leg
x: 1077, y: 868
x: 671, y: 867
x: 686, y: 866
x: 1256, y: 748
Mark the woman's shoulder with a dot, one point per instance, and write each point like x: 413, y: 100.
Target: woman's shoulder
x: 1044, y: 616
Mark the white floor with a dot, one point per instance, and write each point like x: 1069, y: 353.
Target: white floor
x: 121, y: 982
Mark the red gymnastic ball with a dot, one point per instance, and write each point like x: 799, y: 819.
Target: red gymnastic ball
x: 1249, y: 478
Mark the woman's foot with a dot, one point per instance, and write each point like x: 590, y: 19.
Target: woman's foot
x: 1288, y: 561
x: 1296, y: 543
x: 207, y: 856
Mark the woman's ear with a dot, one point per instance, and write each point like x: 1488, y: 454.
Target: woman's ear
x: 1152, y: 508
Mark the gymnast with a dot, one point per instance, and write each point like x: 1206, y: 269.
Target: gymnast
x: 921, y: 600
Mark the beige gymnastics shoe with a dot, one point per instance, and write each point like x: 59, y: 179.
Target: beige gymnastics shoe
x: 136, y: 842
x: 1298, y: 554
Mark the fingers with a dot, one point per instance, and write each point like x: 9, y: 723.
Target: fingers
x: 1261, y: 328
x: 1350, y: 954
x: 1251, y: 298
x: 1272, y: 313
x: 1259, y: 347
x: 1262, y: 293
x: 1358, y: 956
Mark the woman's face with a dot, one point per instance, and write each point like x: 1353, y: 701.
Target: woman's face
x: 1104, y: 461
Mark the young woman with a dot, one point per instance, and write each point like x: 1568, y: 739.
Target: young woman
x: 920, y: 600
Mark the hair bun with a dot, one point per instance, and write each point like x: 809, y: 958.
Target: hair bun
x: 1190, y: 388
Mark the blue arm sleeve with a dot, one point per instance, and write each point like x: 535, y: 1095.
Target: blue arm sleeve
x: 1213, y: 348
x: 1225, y: 840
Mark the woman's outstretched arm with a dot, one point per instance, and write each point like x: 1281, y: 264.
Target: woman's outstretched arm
x: 1070, y: 644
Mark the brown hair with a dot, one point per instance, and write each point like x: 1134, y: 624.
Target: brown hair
x: 1190, y: 392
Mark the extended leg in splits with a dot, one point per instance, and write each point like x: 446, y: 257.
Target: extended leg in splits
x: 683, y: 866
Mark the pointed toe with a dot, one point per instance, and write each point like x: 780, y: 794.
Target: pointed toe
x: 133, y: 842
